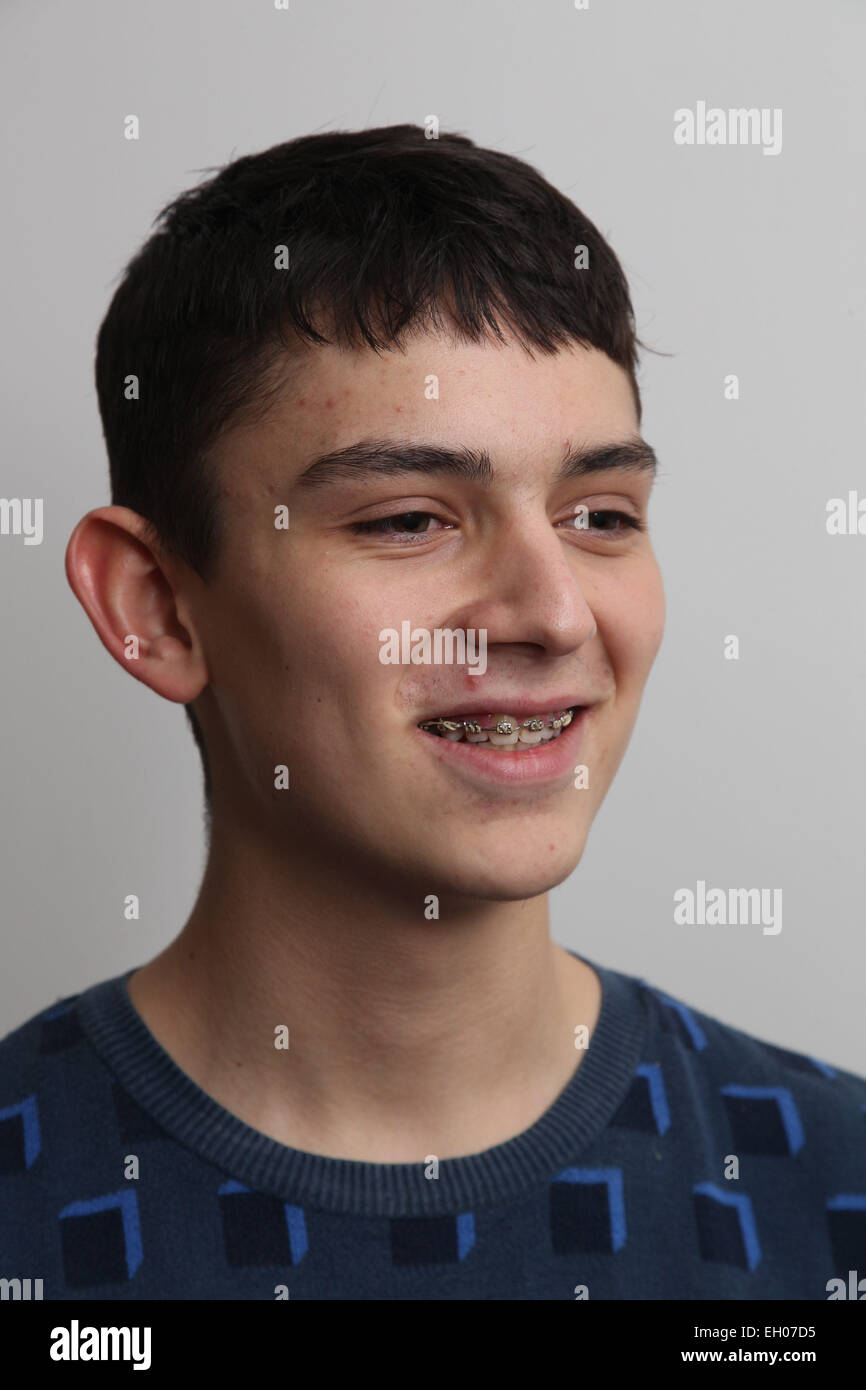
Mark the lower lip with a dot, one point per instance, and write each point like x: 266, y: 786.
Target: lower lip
x: 550, y: 762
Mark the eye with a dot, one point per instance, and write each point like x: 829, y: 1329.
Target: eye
x: 604, y: 520
x: 402, y: 525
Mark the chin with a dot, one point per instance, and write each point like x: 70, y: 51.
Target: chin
x: 512, y: 874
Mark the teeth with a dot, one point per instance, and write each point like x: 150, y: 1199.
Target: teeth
x: 506, y: 727
x: 529, y: 736
x: 503, y: 731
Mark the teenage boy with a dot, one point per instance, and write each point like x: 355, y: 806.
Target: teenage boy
x: 364, y: 393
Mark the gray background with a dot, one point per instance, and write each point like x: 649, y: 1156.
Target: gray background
x: 747, y: 773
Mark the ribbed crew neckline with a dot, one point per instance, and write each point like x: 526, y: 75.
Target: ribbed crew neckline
x: 194, y: 1119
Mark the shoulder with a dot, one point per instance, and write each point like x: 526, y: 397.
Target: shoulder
x: 772, y: 1096
x: 47, y: 1066
x: 27, y: 1050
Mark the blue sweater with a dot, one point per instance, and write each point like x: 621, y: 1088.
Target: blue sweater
x: 684, y: 1160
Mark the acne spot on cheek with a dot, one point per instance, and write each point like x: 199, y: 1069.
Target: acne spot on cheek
x: 329, y: 403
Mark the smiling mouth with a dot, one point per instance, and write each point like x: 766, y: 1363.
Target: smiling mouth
x: 503, y: 733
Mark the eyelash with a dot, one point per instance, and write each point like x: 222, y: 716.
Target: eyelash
x: 379, y: 526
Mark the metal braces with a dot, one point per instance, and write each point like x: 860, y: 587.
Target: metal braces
x: 505, y: 726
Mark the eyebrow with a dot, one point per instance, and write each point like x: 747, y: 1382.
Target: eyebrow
x: 390, y: 458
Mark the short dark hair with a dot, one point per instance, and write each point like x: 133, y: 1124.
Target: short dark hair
x: 385, y: 229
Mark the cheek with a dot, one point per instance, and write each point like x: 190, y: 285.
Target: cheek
x: 648, y: 637
x: 632, y: 627
x: 315, y: 649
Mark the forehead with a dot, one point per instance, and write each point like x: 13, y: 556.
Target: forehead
x: 481, y: 395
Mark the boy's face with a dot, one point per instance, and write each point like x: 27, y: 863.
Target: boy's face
x: 291, y: 621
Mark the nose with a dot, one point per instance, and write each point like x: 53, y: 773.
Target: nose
x: 531, y: 590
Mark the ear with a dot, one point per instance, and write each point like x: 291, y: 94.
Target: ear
x: 132, y: 596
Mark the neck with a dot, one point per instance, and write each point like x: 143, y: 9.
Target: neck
x: 407, y: 1035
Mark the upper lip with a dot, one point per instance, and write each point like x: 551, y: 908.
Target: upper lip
x: 521, y: 706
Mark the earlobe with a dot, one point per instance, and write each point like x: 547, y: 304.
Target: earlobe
x: 124, y: 587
